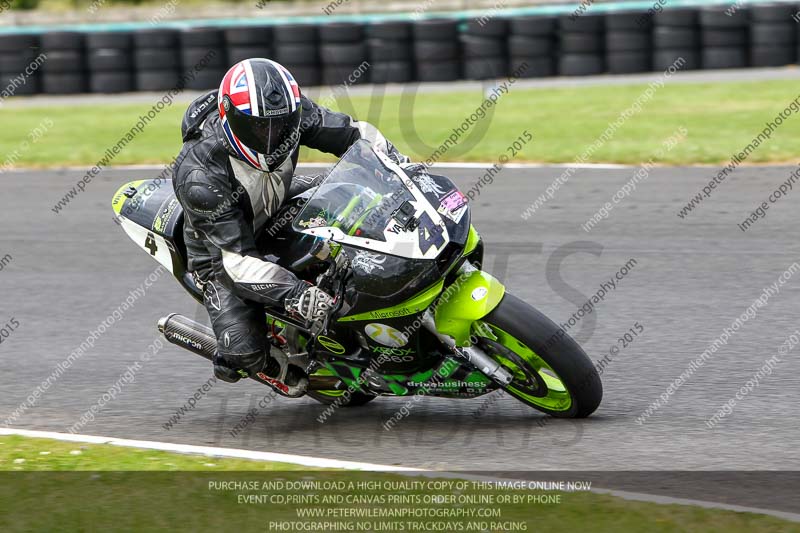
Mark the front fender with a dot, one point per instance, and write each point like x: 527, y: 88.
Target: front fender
x: 471, y: 297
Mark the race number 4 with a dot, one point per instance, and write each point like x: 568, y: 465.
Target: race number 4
x: 150, y: 244
x: 430, y: 234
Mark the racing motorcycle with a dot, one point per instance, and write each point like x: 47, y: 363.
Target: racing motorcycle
x: 414, y: 312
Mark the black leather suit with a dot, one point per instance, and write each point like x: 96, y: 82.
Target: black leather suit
x: 227, y: 205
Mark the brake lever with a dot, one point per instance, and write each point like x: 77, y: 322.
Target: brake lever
x: 338, y: 284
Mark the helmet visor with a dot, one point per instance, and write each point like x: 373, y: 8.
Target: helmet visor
x: 274, y: 137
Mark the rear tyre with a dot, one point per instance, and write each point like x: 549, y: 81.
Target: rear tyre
x: 339, y: 397
x: 356, y: 399
x: 551, y: 374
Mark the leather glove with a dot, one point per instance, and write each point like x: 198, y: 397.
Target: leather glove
x: 312, y: 305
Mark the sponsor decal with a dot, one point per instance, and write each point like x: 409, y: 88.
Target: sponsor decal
x: 316, y: 222
x: 160, y: 222
x: 397, y: 358
x: 394, y: 313
x: 185, y: 340
x: 386, y: 335
x: 427, y: 184
x: 226, y: 339
x: 454, y: 201
x: 454, y: 216
x: 208, y: 101
x: 263, y: 286
x: 118, y: 199
x: 367, y: 262
x: 211, y: 295
x: 330, y: 345
x: 394, y: 227
x: 479, y: 293
x: 276, y: 112
x: 453, y: 206
x: 450, y: 384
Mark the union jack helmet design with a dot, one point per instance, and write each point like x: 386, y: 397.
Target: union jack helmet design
x: 260, y: 112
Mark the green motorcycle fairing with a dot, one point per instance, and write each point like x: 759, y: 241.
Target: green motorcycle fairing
x: 470, y: 298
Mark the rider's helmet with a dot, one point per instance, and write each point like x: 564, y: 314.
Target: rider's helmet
x: 260, y: 111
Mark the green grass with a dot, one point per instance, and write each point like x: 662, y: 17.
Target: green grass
x: 45, y: 455
x: 721, y: 119
x: 96, y: 490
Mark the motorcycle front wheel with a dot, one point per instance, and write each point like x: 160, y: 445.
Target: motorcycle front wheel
x: 551, y: 372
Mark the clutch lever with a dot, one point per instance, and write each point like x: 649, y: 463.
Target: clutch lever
x: 319, y: 251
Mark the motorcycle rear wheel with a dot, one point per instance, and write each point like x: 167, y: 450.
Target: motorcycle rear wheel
x: 330, y: 397
x: 558, y: 379
x: 339, y: 397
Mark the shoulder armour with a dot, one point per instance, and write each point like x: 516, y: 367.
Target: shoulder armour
x: 197, y: 112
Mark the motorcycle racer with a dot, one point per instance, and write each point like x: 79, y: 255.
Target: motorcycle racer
x: 233, y: 173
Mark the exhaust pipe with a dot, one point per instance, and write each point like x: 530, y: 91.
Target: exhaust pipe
x: 189, y: 335
x: 197, y: 338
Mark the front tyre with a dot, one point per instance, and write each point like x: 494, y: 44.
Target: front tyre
x: 551, y: 373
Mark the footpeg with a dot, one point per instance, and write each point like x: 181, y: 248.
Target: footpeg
x: 290, y: 380
x: 197, y: 338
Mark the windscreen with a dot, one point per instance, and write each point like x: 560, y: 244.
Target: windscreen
x: 358, y: 197
x: 368, y: 204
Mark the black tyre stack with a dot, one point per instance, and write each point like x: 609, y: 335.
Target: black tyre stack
x: 676, y: 40
x: 343, y: 51
x: 532, y: 46
x: 203, y: 58
x: 390, y: 51
x: 581, y: 45
x: 724, y: 37
x: 156, y: 59
x: 436, y: 50
x: 628, y: 42
x: 18, y: 52
x: 64, y: 71
x: 109, y: 56
x: 773, y: 35
x: 484, y: 46
x: 295, y: 47
x: 245, y: 42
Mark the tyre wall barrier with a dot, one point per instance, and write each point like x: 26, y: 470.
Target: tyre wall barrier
x: 441, y: 48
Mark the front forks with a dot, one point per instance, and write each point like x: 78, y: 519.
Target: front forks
x: 472, y: 354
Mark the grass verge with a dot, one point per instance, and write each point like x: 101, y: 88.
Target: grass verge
x: 721, y: 118
x: 108, y: 488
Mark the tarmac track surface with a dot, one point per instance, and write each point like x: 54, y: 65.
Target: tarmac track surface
x: 691, y: 279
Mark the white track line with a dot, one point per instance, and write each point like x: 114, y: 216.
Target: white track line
x: 369, y: 467
x: 209, y: 450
